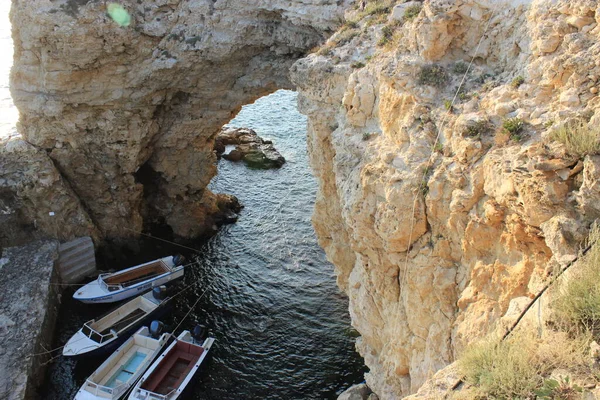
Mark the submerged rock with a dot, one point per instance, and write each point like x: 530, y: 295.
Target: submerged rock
x: 356, y: 392
x: 249, y: 147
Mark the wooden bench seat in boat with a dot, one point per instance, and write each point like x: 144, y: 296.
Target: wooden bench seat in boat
x: 174, y: 368
x: 138, y: 274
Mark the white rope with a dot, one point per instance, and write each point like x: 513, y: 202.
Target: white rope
x: 403, y: 275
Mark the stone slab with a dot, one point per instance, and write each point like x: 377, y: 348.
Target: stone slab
x: 29, y: 304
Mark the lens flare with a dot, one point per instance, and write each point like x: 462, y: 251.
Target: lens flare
x: 119, y: 14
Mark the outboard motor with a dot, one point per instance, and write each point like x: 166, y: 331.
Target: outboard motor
x: 178, y: 260
x: 156, y: 329
x: 159, y: 292
x: 199, y: 333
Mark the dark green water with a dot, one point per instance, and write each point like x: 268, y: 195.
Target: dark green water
x: 282, y: 327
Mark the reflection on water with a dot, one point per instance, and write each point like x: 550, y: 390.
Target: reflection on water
x: 282, y: 327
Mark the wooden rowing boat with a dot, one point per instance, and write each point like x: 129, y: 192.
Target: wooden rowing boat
x: 109, y: 288
x: 169, y: 375
x: 124, y: 367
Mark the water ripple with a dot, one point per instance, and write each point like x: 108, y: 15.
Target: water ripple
x: 282, y: 327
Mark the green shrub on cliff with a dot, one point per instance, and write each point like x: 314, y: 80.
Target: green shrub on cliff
x: 433, y: 75
x: 411, y: 12
x: 579, y: 138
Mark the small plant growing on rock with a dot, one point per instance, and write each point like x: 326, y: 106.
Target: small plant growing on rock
x: 579, y: 139
x: 578, y: 304
x: 386, y: 35
x: 345, y: 37
x: 366, y: 136
x: 433, y: 75
x: 438, y: 147
x: 357, y: 65
x: 518, y: 81
x: 464, y: 96
x: 460, y: 68
x: 476, y: 129
x: 448, y: 105
x: 513, y: 127
x: 378, y: 8
x: 411, y: 12
x: 351, y: 24
x: 424, y: 188
x: 553, y: 389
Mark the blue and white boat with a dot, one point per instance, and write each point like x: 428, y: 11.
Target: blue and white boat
x: 124, y: 367
x: 103, y: 335
x: 121, y: 285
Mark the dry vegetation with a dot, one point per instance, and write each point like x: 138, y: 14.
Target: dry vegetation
x: 579, y: 138
x: 520, y: 367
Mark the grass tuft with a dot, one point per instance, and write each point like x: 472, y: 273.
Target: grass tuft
x: 518, y: 367
x: 513, y: 127
x: 476, y: 129
x: 506, y: 370
x: 433, y: 75
x: 460, y: 68
x: 518, y: 81
x: 579, y: 138
x: 578, y: 304
x: 411, y: 12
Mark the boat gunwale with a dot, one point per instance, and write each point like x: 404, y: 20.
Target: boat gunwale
x: 183, y: 384
x: 117, y: 292
x: 162, y: 340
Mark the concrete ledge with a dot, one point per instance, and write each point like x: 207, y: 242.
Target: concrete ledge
x: 29, y: 305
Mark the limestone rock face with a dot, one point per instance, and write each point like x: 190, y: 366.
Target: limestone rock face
x: 35, y: 198
x: 434, y: 216
x: 129, y: 114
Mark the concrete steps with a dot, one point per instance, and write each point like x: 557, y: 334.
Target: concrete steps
x: 77, y: 260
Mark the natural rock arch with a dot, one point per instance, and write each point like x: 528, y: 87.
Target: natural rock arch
x: 115, y: 107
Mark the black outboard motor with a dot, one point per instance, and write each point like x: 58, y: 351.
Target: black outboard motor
x: 178, y: 260
x: 159, y: 292
x: 156, y: 329
x: 199, y: 333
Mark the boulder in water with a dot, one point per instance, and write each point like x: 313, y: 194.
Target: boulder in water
x: 249, y: 147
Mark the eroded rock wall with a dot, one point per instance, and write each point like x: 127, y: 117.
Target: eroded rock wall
x: 439, y: 221
x: 129, y: 114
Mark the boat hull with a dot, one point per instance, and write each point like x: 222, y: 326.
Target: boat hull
x: 130, y: 369
x: 139, y: 393
x: 126, y: 293
x: 109, y: 347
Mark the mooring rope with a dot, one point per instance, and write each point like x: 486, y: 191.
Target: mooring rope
x: 535, y: 299
x: 49, y: 352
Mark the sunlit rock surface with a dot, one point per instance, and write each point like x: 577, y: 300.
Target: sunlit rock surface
x: 129, y: 114
x: 433, y: 237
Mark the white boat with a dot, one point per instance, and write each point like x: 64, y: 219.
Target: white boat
x: 169, y: 375
x: 103, y: 335
x: 130, y: 282
x: 123, y: 368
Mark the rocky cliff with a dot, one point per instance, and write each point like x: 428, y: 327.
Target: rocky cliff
x: 128, y: 114
x: 444, y: 203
